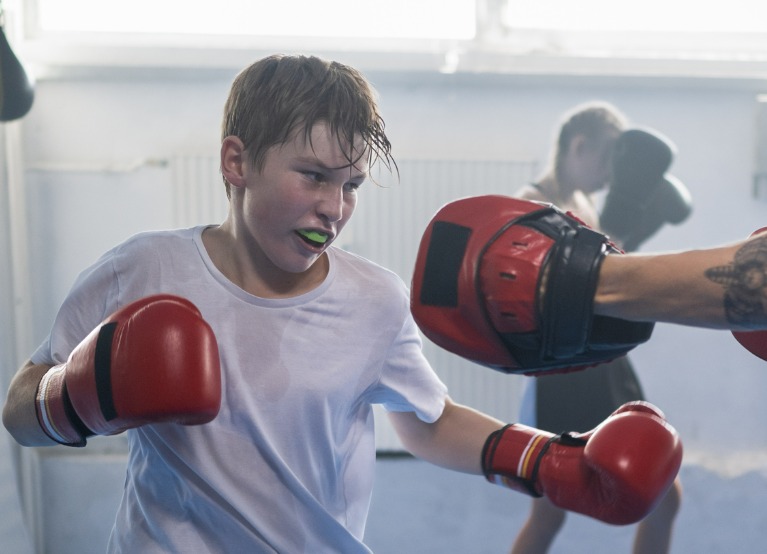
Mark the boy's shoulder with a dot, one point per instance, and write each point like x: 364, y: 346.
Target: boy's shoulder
x: 156, y: 241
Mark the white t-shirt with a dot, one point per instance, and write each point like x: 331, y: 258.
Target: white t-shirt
x: 288, y: 464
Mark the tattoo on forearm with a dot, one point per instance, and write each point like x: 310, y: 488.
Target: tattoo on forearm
x: 745, y: 283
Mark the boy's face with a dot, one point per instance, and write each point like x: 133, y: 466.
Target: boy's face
x: 295, y: 207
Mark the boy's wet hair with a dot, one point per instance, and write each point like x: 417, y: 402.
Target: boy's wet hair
x: 280, y: 95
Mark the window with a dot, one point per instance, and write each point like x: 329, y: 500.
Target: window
x: 605, y: 37
x: 423, y: 19
x: 665, y: 29
x: 680, y: 16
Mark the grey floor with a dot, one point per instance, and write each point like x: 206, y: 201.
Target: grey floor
x: 421, y: 509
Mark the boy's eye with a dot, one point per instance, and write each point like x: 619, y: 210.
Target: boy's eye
x: 314, y: 175
x: 353, y: 186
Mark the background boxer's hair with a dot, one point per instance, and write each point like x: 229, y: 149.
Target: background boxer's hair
x: 16, y: 88
x: 596, y: 120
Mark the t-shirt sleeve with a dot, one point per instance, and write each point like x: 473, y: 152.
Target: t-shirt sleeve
x: 91, y: 299
x: 409, y: 382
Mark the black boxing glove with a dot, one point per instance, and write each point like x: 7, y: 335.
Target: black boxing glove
x: 642, y: 196
x: 16, y: 89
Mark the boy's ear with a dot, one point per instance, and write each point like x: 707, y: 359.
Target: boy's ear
x: 232, y: 161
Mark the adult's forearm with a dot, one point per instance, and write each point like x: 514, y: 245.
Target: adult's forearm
x: 721, y: 287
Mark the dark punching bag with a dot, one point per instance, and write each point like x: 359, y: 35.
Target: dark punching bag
x: 16, y: 90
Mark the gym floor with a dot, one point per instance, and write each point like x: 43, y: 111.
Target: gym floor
x: 422, y: 509
x: 418, y: 508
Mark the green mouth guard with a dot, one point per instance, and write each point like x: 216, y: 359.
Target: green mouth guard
x: 315, y: 236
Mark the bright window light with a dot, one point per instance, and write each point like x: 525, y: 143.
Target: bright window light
x: 733, y: 16
x: 428, y: 19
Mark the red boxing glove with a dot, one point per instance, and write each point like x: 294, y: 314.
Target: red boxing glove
x: 755, y: 341
x: 155, y: 360
x: 616, y: 473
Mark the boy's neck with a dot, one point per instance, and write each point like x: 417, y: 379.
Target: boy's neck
x: 231, y: 259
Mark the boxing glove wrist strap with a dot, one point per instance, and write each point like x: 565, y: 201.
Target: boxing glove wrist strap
x: 55, y: 412
x: 511, y: 458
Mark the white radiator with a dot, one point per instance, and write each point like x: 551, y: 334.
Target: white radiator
x: 386, y: 228
x: 199, y: 196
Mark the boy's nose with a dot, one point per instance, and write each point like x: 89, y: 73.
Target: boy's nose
x: 331, y: 203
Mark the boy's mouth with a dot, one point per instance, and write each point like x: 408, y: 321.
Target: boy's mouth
x: 315, y: 238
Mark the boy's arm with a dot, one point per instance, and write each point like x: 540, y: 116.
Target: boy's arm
x: 19, y: 414
x: 616, y: 473
x: 454, y: 441
x: 153, y: 360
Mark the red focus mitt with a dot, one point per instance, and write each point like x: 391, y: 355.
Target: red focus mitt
x: 510, y: 284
